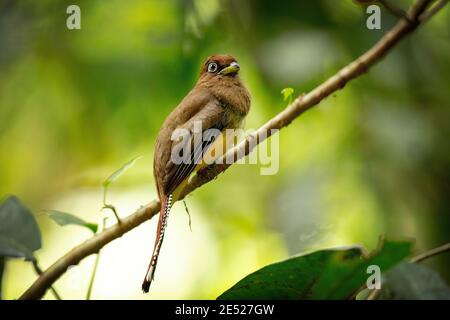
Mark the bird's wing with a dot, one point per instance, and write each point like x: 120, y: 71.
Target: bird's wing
x: 211, y: 116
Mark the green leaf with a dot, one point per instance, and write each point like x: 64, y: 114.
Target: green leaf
x: 326, y: 274
x: 64, y: 218
x: 412, y: 281
x: 363, y: 294
x: 19, y: 233
x: 287, y: 93
x: 115, y: 175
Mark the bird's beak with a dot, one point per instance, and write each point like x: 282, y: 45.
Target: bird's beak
x: 232, y: 68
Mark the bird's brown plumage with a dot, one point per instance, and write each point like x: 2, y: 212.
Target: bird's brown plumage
x: 219, y: 101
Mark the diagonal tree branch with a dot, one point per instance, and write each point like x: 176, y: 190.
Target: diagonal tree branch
x: 431, y: 253
x: 281, y: 120
x: 392, y: 8
x: 432, y: 11
x: 39, y: 272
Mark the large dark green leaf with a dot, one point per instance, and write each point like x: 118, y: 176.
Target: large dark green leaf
x: 412, y: 281
x: 326, y: 274
x: 64, y: 218
x: 19, y: 232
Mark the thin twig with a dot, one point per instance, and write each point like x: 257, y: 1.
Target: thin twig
x: 188, y: 213
x: 431, y: 253
x: 113, y: 209
x: 392, y: 8
x: 94, y: 270
x: 281, y: 120
x: 433, y: 10
x: 109, y: 206
x: 91, y: 281
x: 418, y: 8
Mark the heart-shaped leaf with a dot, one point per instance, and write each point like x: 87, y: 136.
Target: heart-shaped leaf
x: 19, y: 232
x: 326, y: 274
x: 64, y: 218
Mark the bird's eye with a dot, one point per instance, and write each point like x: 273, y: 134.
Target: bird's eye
x: 212, y: 67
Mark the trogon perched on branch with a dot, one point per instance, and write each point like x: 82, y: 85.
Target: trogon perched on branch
x: 218, y: 101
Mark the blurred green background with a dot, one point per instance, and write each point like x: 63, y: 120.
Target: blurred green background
x: 76, y: 104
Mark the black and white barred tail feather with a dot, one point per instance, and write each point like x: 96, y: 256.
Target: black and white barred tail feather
x: 162, y: 224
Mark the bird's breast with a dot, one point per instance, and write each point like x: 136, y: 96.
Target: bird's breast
x: 232, y: 94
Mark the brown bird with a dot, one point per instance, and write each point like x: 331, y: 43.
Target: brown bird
x: 219, y: 101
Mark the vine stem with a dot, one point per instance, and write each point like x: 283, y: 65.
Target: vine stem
x: 94, y: 270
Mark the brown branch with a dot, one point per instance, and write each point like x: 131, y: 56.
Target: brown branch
x: 90, y: 246
x: 433, y: 10
x: 392, y: 8
x: 283, y: 119
x: 417, y: 9
x: 431, y: 253
x: 39, y: 272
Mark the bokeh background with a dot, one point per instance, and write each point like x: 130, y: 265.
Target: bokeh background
x: 75, y: 105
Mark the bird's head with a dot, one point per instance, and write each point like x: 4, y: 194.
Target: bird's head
x: 220, y: 65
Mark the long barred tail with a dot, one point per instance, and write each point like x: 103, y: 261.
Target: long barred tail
x: 162, y: 224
